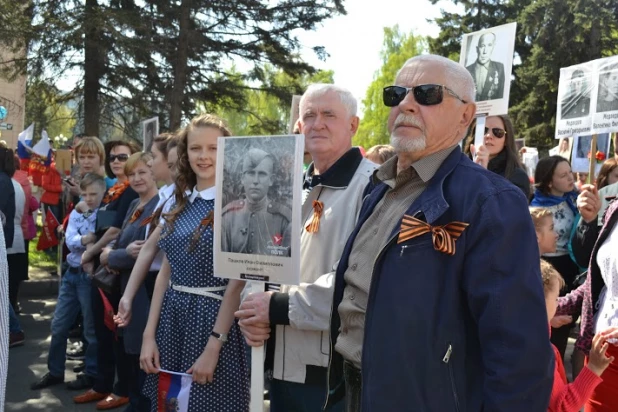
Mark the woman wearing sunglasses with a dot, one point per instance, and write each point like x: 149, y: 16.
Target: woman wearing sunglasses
x: 498, y: 152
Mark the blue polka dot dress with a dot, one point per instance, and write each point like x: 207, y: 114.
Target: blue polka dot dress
x: 187, y: 320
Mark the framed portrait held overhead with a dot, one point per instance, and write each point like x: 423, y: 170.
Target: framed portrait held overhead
x: 488, y: 57
x: 150, y: 130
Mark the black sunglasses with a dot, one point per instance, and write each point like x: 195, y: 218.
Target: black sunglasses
x: 121, y: 158
x: 424, y: 94
x: 499, y: 133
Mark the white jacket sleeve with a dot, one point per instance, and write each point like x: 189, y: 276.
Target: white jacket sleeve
x: 310, y: 304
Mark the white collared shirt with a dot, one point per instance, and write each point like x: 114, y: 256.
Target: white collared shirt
x: 165, y: 193
x: 206, y: 194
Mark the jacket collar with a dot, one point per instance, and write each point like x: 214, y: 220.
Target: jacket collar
x: 431, y: 204
x: 339, y: 174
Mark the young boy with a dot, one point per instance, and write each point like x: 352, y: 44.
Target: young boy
x: 565, y: 397
x: 74, y: 292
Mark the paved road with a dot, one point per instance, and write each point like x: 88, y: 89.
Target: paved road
x: 29, y: 362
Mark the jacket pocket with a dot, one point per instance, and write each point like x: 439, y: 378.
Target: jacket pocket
x: 415, y: 244
x: 447, y: 360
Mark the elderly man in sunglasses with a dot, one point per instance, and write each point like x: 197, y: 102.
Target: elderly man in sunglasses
x: 438, y: 303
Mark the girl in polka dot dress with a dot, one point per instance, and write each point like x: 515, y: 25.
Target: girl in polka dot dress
x: 189, y: 320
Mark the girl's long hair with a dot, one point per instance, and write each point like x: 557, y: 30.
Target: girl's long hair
x: 512, y: 157
x: 186, y: 178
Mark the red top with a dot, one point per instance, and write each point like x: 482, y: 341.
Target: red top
x: 571, y: 397
x: 52, y: 186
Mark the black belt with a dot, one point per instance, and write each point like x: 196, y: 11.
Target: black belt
x: 352, y: 375
x: 74, y: 270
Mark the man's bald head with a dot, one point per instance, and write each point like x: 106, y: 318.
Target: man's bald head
x: 485, y: 47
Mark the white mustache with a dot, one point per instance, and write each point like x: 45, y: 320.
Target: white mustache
x: 408, y: 120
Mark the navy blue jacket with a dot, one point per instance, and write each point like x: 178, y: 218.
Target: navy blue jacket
x: 460, y: 333
x: 7, y: 206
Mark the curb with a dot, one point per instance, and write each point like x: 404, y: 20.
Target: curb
x: 37, y: 288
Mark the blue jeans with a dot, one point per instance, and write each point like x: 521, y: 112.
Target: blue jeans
x: 299, y: 397
x: 14, y: 326
x: 74, y: 295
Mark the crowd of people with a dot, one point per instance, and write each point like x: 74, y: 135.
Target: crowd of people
x: 438, y: 277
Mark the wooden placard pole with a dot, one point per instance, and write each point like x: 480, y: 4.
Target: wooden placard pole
x: 479, y: 135
x: 593, y: 159
x: 257, y: 365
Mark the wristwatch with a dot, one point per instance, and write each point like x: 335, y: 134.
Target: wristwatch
x: 219, y: 336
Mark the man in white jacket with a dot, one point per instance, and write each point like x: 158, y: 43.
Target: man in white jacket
x: 332, y: 197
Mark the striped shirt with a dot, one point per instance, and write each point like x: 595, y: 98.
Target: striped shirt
x: 405, y: 188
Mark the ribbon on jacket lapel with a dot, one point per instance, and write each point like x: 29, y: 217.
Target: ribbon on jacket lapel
x: 443, y: 237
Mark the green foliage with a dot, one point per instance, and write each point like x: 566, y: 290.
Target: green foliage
x: 48, y: 109
x: 561, y: 34
x: 397, y: 48
x: 265, y: 108
x: 139, y: 59
x: 551, y: 34
x: 40, y: 259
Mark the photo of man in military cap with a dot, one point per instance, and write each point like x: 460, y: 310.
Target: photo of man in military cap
x: 256, y: 224
x: 576, y: 100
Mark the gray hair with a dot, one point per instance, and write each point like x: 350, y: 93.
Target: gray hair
x: 320, y: 89
x: 459, y: 79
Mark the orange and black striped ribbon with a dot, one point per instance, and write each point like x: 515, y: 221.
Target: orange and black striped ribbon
x: 314, y: 225
x: 443, y: 237
x: 147, y: 221
x: 136, y: 215
x: 206, y: 221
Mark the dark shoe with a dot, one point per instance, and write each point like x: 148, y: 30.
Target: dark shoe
x: 46, y: 381
x: 89, y: 396
x: 81, y: 382
x: 16, y: 339
x: 76, y: 333
x: 76, y: 354
x: 80, y: 367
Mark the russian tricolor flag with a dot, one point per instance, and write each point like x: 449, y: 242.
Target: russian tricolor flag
x: 174, y: 390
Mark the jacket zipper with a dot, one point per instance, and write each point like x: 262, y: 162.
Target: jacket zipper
x: 446, y: 359
x: 373, y: 279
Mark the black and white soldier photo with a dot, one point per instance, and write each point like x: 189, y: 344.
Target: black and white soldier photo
x: 256, y: 223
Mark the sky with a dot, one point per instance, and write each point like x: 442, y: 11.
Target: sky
x: 354, y: 41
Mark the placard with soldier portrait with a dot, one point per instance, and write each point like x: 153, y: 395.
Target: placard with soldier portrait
x: 488, y: 57
x: 575, y: 89
x: 257, y: 208
x: 605, y: 117
x: 150, y: 130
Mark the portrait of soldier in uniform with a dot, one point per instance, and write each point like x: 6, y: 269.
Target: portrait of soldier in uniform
x: 576, y: 101
x: 488, y: 75
x: 256, y: 224
x: 607, y: 100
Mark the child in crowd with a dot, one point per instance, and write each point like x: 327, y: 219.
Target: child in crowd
x: 571, y: 397
x: 75, y: 292
x: 566, y: 397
